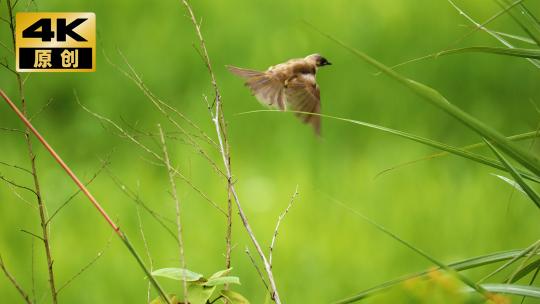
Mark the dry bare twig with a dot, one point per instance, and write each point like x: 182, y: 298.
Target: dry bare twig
x: 71, y: 197
x: 135, y: 197
x: 221, y: 130
x: 123, y: 237
x: 280, y: 218
x: 42, y: 208
x: 170, y: 171
x: 150, y: 261
x: 259, y: 272
x: 87, y: 266
x: 14, y: 282
x: 16, y: 167
x: 149, y: 151
x: 160, y: 105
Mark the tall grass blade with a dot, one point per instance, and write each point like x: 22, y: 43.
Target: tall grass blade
x: 457, y: 266
x: 524, y: 157
x: 428, y: 142
x: 493, y: 34
x: 517, y: 177
x: 525, y: 271
x: 517, y: 137
x: 518, y: 290
x: 525, y: 25
x: 441, y: 265
x: 515, y: 52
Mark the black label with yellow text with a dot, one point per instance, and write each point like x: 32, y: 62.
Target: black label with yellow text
x: 56, y: 42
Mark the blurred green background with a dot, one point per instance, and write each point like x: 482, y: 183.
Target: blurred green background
x: 452, y: 208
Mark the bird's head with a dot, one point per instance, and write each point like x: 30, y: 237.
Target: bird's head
x: 318, y: 60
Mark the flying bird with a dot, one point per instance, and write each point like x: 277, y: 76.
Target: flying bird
x: 289, y: 85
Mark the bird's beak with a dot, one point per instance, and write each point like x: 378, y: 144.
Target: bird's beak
x: 328, y: 63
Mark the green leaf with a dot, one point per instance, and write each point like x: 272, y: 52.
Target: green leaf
x: 511, y: 182
x: 518, y: 290
x: 220, y: 273
x: 530, y: 191
x: 179, y: 274
x: 516, y: 37
x: 515, y: 52
x: 525, y: 271
x: 222, y: 281
x: 234, y: 297
x: 199, y: 294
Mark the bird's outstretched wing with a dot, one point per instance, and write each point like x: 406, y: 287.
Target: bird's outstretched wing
x: 302, y: 94
x: 264, y: 86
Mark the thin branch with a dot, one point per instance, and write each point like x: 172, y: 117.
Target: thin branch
x: 3, y: 44
x: 33, y: 271
x: 7, y: 67
x: 43, y: 216
x: 16, y: 167
x: 170, y: 171
x: 33, y: 235
x: 19, y: 196
x: 258, y: 269
x: 87, y: 266
x: 159, y: 104
x: 66, y: 202
x: 139, y: 202
x: 49, y: 102
x: 149, y: 151
x: 12, y: 130
x: 221, y: 131
x: 14, y: 282
x: 17, y: 185
x: 123, y: 237
x: 280, y: 218
x: 150, y: 261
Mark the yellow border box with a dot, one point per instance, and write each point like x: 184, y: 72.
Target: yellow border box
x: 87, y: 30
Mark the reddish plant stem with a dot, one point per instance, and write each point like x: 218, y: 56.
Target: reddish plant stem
x: 89, y: 195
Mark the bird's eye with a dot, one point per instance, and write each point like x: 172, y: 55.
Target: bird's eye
x: 323, y: 62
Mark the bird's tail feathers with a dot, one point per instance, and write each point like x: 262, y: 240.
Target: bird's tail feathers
x: 244, y: 73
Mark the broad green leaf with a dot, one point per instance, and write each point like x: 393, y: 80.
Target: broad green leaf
x: 511, y: 182
x: 525, y: 271
x: 457, y: 266
x: 530, y: 191
x: 521, y: 155
x: 222, y: 281
x: 234, y: 297
x: 179, y: 274
x: 199, y: 294
x: 220, y: 273
x: 515, y: 52
x: 518, y: 290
